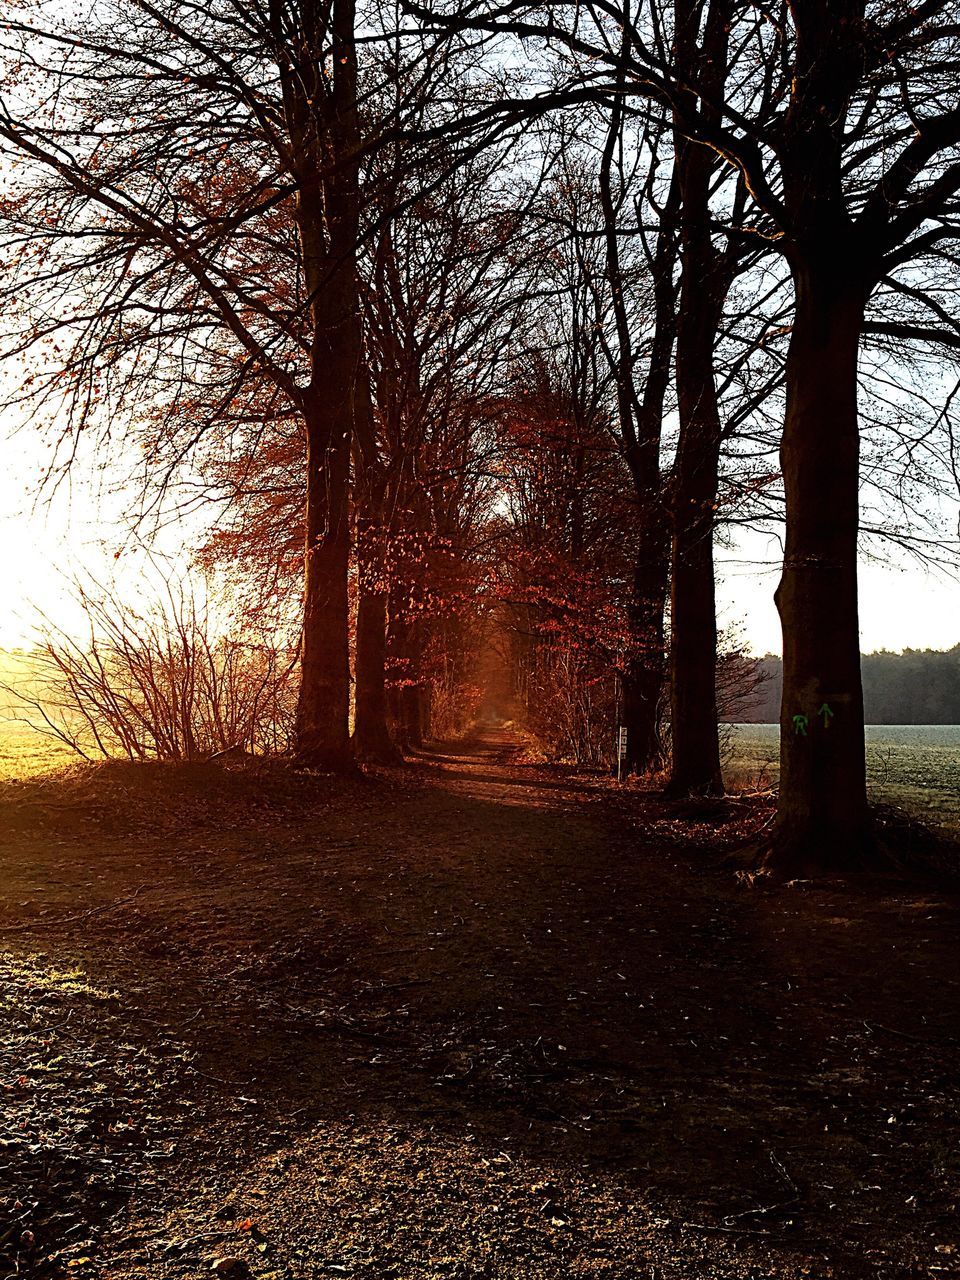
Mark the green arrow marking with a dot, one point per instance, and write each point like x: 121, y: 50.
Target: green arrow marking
x: 827, y: 715
x: 800, y: 723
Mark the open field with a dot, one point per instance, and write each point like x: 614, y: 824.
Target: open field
x: 24, y: 753
x: 915, y: 766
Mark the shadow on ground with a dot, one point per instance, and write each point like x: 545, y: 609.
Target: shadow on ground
x: 473, y: 1023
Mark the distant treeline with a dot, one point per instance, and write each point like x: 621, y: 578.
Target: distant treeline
x: 918, y: 686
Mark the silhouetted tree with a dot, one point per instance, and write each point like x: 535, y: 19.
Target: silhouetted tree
x: 845, y: 134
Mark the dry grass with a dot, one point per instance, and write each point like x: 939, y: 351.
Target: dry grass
x: 114, y: 797
x: 24, y: 753
x: 913, y: 767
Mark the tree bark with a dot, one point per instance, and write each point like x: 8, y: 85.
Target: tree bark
x: 706, y: 275
x: 323, y: 705
x: 822, y: 818
x: 641, y: 426
x: 396, y: 720
x: 705, y: 278
x: 400, y: 667
x: 372, y: 740
x: 412, y: 693
x: 695, y: 759
x: 643, y: 680
x: 324, y: 130
x: 413, y: 712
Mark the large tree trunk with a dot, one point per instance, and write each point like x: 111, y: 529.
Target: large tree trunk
x: 642, y: 681
x: 372, y: 740
x: 641, y: 425
x: 822, y: 821
x: 706, y: 273
x: 695, y: 760
x: 324, y: 131
x: 323, y: 706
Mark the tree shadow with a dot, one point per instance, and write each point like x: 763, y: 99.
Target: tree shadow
x: 449, y: 964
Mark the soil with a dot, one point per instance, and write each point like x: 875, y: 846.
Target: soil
x: 472, y: 1017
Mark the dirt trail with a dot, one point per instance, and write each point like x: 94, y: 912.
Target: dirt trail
x: 470, y: 1018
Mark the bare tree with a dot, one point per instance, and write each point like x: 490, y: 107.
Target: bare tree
x: 140, y: 218
x: 851, y: 165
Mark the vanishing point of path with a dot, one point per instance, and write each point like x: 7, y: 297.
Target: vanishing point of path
x: 468, y: 1018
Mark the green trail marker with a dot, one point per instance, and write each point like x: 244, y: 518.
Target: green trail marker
x: 800, y: 723
x: 827, y: 715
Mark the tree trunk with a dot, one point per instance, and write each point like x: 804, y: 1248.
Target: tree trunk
x: 412, y: 699
x: 324, y: 124
x: 642, y: 681
x: 695, y: 761
x: 641, y: 689
x: 822, y: 821
x: 396, y: 720
x: 706, y: 274
x: 399, y: 667
x: 641, y: 426
x: 410, y: 716
x: 323, y: 706
x: 426, y: 711
x: 372, y: 740
x: 695, y: 758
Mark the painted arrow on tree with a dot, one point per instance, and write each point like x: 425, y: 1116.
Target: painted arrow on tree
x: 827, y: 715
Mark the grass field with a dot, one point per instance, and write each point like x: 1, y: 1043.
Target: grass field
x: 24, y: 753
x: 914, y: 766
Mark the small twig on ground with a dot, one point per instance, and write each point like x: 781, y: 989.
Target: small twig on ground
x: 372, y: 988
x: 761, y: 1212
x: 778, y: 1165
x: 80, y: 915
x: 728, y: 1231
x: 944, y: 1043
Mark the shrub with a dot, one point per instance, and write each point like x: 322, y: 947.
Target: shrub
x: 160, y: 684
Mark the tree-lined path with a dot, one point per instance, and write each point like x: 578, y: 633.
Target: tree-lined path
x: 461, y: 1021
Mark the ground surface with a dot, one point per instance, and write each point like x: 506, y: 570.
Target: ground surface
x: 470, y: 1018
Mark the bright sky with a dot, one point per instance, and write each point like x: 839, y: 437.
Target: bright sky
x: 79, y: 528
x: 901, y: 606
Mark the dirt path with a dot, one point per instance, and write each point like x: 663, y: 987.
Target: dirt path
x: 471, y: 1018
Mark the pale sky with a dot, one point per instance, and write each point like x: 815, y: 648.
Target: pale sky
x: 901, y: 606
x: 77, y: 529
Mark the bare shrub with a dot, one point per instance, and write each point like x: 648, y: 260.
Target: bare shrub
x: 160, y: 684
x: 454, y: 707
x: 570, y: 704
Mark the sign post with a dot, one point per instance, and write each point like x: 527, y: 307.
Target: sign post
x: 621, y: 750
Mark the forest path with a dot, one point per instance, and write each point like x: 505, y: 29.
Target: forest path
x: 469, y: 1018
